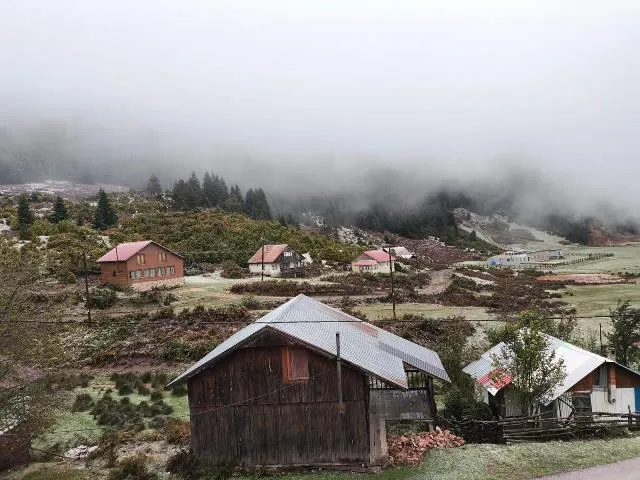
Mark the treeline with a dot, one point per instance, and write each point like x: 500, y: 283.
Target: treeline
x: 213, y: 192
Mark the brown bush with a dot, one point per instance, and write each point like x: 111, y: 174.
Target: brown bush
x: 177, y: 432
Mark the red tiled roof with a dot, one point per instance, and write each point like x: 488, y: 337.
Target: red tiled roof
x: 364, y: 263
x: 379, y: 255
x: 124, y: 251
x: 271, y: 253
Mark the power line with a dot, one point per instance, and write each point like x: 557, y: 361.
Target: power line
x: 109, y: 322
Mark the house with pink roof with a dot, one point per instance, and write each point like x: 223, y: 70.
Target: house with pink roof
x: 141, y: 265
x: 374, y: 261
x: 277, y: 261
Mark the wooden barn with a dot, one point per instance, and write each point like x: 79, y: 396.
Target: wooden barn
x: 307, y: 385
x: 142, y: 265
x: 593, y: 383
x: 277, y: 261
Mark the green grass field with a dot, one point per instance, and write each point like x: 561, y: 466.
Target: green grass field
x: 75, y: 428
x: 625, y: 259
x: 504, y: 462
x: 470, y: 462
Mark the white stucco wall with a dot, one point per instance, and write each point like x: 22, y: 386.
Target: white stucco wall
x: 270, y: 269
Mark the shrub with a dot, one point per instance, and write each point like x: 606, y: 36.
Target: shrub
x: 190, y: 467
x: 125, y: 389
x: 143, y: 390
x: 160, y: 379
x: 231, y: 269
x: 102, y: 297
x: 155, y: 396
x: 146, y: 377
x: 132, y: 468
x: 251, y: 303
x: 177, y: 432
x: 157, y: 422
x: 82, y: 403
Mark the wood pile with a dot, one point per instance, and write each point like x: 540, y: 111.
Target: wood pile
x: 411, y: 449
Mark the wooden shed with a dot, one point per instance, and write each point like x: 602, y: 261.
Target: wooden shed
x: 307, y: 385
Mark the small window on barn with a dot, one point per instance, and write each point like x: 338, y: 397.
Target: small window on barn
x: 287, y: 254
x: 295, y: 365
x: 162, y: 257
x: 600, y: 379
x: 140, y: 259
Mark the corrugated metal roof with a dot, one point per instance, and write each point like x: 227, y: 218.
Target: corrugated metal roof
x: 577, y: 362
x: 362, y: 345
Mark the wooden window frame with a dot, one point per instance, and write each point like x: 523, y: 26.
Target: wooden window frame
x: 295, y: 365
x: 162, y: 257
x: 140, y: 260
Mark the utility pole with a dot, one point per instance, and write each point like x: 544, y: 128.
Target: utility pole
x: 393, y: 297
x: 601, y: 349
x: 262, y: 262
x: 86, y: 285
x: 339, y: 374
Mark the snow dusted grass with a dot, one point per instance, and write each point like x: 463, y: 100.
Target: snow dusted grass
x: 503, y: 462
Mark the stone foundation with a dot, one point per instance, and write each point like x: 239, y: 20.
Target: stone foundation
x: 165, y: 282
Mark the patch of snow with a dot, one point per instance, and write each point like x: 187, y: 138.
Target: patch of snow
x: 81, y: 451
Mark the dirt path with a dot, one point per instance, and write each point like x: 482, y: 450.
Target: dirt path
x: 624, y: 470
x: 440, y: 280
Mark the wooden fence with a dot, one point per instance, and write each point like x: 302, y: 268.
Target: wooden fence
x: 542, y: 427
x: 592, y: 257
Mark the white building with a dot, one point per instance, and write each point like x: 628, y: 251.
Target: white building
x: 278, y: 260
x: 592, y: 383
x: 516, y: 257
x: 374, y: 261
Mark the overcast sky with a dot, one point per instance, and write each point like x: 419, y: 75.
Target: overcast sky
x: 449, y: 85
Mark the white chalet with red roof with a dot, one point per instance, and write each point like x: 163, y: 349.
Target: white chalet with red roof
x: 374, y: 261
x: 278, y: 261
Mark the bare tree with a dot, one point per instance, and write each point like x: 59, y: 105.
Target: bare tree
x: 26, y: 346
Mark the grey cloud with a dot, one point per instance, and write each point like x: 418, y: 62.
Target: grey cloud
x: 327, y: 91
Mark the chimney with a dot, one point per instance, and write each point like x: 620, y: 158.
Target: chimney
x: 611, y: 382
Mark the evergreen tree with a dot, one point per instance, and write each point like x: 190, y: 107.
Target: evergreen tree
x: 60, y: 211
x: 256, y: 204
x: 195, y: 196
x: 180, y: 195
x: 105, y: 215
x: 282, y: 221
x: 221, y: 190
x: 25, y: 216
x: 153, y: 186
x: 209, y: 190
x: 249, y: 203
x: 234, y: 202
